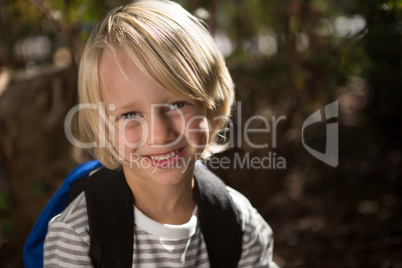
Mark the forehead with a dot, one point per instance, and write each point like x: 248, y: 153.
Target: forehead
x: 116, y: 68
x: 122, y: 81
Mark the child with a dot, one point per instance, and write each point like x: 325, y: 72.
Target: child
x: 161, y: 89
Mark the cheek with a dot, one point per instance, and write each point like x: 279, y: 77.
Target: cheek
x: 128, y: 138
x: 132, y: 136
x: 197, y: 131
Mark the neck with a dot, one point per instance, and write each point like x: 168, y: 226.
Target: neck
x: 169, y: 204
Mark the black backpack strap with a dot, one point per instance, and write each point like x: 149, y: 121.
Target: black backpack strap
x: 77, y: 187
x: 219, y: 219
x: 110, y: 219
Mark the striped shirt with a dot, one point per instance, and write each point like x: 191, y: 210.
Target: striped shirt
x: 156, y: 245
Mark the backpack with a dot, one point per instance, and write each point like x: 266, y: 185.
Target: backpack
x: 217, y: 215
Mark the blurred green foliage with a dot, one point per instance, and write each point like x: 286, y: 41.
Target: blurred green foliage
x: 21, y: 19
x: 292, y: 46
x: 4, y: 201
x: 317, y: 45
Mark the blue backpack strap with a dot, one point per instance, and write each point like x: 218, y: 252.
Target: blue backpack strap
x: 33, y: 247
x: 219, y: 219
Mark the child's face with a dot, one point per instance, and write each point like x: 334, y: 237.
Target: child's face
x: 159, y: 133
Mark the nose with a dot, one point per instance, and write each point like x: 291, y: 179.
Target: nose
x: 161, y: 131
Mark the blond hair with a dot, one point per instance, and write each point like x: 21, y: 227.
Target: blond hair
x: 170, y: 46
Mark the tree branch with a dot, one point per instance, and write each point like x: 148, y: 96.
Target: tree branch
x: 75, y: 45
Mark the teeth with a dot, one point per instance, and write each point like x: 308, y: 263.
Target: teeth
x: 163, y: 157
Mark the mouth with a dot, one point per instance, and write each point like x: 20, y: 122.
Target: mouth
x: 166, y: 160
x: 159, y: 157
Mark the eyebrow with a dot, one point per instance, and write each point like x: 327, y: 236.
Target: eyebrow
x: 125, y: 107
x: 134, y: 106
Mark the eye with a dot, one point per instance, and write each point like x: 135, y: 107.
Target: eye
x: 131, y: 115
x: 176, y: 106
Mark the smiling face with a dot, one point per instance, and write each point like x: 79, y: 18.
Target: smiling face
x: 158, y: 133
